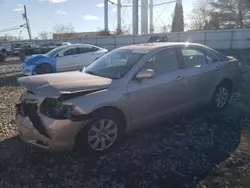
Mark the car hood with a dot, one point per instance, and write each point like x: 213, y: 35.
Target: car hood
x: 54, y: 85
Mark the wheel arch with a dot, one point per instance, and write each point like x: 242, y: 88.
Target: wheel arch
x: 227, y: 82
x: 46, y: 62
x: 4, y: 50
x: 114, y: 110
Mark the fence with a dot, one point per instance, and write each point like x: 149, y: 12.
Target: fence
x: 217, y: 39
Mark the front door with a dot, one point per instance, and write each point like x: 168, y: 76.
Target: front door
x: 151, y: 99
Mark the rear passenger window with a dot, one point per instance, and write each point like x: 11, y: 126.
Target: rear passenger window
x: 211, y: 57
x: 71, y: 51
x: 221, y: 57
x: 193, y: 58
x: 163, y: 62
x: 87, y: 49
x: 94, y: 49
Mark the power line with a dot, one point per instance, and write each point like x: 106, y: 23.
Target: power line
x: 112, y: 19
x: 12, y: 28
x: 9, y: 30
x: 162, y: 12
x: 125, y: 9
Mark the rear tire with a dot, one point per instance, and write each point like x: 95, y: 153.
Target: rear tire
x: 101, y: 134
x: 5, y: 53
x: 2, y: 57
x: 221, y: 96
x: 43, y: 68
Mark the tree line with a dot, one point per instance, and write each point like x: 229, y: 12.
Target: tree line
x: 220, y: 14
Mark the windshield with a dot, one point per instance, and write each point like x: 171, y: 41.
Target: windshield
x: 115, y: 64
x: 55, y: 51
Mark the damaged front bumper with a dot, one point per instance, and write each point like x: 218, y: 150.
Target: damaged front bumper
x: 44, y: 132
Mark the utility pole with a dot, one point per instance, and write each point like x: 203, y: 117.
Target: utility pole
x: 106, y: 22
x: 151, y: 10
x: 135, y: 17
x: 27, y: 21
x: 144, y: 17
x: 119, y: 6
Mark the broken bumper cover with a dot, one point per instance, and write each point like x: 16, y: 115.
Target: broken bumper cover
x: 47, y: 133
x: 27, y: 70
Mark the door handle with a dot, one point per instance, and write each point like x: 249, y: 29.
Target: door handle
x: 75, y: 56
x: 178, y: 78
x: 217, y: 68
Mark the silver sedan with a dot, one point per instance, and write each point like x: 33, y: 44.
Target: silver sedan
x: 127, y: 88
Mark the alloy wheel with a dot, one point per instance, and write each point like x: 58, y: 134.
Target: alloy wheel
x: 102, y: 134
x: 221, y: 97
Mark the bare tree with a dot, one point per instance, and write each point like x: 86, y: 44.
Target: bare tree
x: 232, y: 13
x: 9, y: 37
x: 200, y: 14
x: 126, y: 29
x: 44, y: 35
x: 61, y: 28
x: 164, y: 29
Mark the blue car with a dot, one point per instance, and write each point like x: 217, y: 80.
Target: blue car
x: 63, y: 58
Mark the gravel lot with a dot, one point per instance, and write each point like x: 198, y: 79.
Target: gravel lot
x: 11, y: 65
x: 194, y: 150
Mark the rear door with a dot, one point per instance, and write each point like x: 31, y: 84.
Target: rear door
x: 153, y: 98
x: 86, y: 56
x: 69, y: 60
x: 200, y: 74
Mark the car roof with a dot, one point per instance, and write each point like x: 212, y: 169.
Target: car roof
x: 80, y: 44
x: 153, y: 46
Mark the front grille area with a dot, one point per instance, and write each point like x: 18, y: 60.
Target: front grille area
x: 29, y: 109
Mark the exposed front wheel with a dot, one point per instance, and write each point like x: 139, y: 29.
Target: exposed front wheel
x: 44, y: 68
x: 221, y: 96
x: 101, y: 134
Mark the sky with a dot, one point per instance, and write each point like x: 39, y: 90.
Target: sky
x: 85, y: 15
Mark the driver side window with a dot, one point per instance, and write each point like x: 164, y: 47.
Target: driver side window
x: 163, y: 62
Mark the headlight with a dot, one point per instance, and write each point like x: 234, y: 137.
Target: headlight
x: 55, y: 109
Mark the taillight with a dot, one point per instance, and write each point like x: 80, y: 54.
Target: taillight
x: 238, y: 64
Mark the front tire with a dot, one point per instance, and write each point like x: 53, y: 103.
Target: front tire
x: 101, y: 134
x: 221, y: 96
x: 43, y: 68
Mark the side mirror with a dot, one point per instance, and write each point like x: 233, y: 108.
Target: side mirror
x: 145, y: 74
x: 60, y: 55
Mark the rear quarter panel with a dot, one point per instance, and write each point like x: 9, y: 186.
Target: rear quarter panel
x: 229, y: 70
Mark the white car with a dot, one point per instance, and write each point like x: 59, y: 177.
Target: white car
x: 63, y: 58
